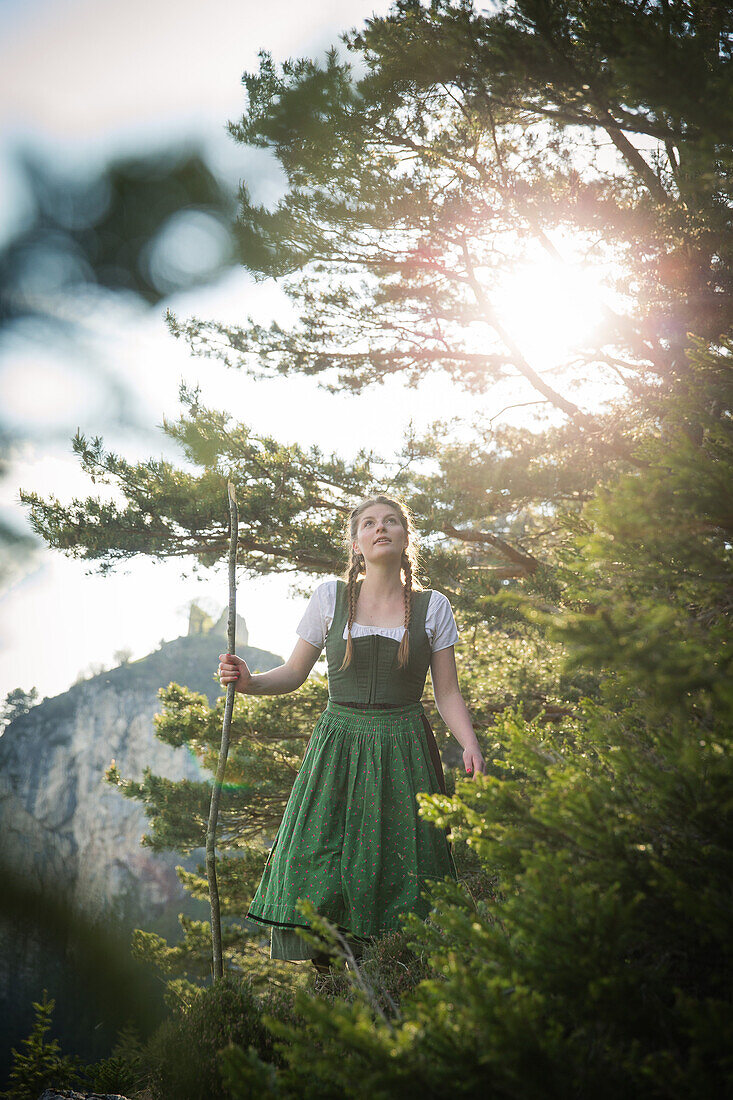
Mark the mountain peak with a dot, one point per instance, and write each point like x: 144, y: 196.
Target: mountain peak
x: 199, y: 622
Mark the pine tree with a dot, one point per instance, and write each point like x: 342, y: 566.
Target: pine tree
x: 40, y: 1065
x: 268, y: 738
x: 470, y: 142
x: 588, y: 560
x: 602, y: 967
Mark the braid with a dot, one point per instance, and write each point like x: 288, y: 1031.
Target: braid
x: 354, y: 571
x: 403, y: 653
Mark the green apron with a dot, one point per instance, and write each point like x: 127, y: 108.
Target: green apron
x: 351, y: 839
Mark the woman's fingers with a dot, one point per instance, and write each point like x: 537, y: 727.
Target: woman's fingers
x: 474, y: 762
x: 228, y: 669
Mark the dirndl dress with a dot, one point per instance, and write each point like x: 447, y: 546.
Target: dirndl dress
x: 351, y: 839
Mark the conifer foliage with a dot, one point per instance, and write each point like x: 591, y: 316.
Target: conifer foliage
x: 603, y: 967
x: 587, y: 555
x: 40, y: 1064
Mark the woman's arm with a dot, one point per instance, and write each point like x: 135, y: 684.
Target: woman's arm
x: 278, y: 681
x: 452, y: 709
x: 287, y: 677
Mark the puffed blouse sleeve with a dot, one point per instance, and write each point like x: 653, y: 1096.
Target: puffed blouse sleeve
x: 440, y: 622
x: 314, y: 625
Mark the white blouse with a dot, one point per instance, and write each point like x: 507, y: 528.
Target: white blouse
x: 440, y: 625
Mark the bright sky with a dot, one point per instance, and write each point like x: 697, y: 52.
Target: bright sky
x: 82, y: 81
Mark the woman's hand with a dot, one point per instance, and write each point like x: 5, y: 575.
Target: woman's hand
x: 474, y: 761
x: 234, y: 668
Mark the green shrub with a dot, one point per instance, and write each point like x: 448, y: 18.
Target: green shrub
x: 601, y: 964
x: 181, y: 1057
x: 40, y: 1064
x: 114, y: 1075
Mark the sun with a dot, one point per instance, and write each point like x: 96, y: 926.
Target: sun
x: 552, y: 308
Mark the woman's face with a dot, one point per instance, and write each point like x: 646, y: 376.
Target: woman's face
x: 380, y: 535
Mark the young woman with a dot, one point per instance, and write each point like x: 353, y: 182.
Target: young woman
x: 351, y: 838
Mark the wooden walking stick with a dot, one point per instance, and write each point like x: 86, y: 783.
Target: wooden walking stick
x: 218, y: 969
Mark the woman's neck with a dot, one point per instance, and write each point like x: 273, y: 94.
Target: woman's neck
x: 381, y: 584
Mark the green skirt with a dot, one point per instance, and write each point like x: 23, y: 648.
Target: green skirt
x: 351, y: 839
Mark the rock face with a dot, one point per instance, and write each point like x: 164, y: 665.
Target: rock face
x: 52, y: 1094
x: 62, y: 826
x: 220, y: 628
x: 61, y: 823
x: 199, y: 622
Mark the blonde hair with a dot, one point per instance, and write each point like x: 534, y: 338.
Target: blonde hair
x: 357, y: 566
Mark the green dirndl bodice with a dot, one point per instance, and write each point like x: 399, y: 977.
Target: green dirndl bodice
x: 351, y: 839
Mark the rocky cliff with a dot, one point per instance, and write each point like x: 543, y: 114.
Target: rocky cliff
x: 60, y: 822
x: 63, y: 827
